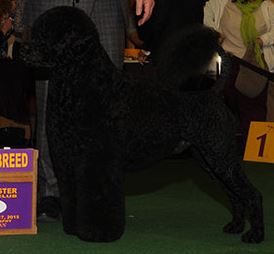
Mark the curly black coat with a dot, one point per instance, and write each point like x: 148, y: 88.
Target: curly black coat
x: 101, y: 123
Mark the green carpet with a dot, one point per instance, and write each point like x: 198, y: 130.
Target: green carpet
x: 173, y: 207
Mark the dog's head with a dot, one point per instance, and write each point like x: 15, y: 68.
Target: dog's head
x: 58, y: 35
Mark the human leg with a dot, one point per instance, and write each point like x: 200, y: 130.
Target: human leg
x: 48, y: 193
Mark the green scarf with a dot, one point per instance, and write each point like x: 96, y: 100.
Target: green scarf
x: 249, y: 32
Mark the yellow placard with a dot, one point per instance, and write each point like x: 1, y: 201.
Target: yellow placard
x: 260, y: 142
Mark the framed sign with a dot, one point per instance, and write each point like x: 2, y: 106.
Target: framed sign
x: 18, y: 191
x: 16, y: 160
x: 260, y: 142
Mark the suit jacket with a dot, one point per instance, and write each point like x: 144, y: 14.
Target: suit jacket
x: 33, y: 8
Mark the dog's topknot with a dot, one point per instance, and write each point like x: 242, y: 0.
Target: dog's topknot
x: 61, y: 33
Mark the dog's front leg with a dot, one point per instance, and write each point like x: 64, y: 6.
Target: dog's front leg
x: 100, y: 204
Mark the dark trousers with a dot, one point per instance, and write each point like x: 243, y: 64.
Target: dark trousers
x: 245, y: 109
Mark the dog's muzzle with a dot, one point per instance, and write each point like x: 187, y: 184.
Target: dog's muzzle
x: 31, y: 56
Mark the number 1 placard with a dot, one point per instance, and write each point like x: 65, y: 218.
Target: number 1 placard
x: 260, y: 142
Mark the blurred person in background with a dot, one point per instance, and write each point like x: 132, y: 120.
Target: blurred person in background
x: 17, y: 85
x: 7, y: 11
x: 247, y: 32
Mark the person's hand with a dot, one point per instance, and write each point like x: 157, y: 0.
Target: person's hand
x: 221, y: 38
x: 7, y: 25
x: 145, y: 7
x: 260, y: 42
x: 135, y: 39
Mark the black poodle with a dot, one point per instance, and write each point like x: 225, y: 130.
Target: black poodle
x: 101, y: 123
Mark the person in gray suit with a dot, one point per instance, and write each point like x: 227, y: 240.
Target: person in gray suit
x: 111, y: 20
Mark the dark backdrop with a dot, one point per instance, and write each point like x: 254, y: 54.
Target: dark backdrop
x: 169, y: 16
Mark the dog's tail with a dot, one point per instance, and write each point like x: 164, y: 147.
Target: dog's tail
x: 186, y: 55
x: 224, y: 72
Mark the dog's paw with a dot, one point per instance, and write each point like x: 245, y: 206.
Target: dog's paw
x: 253, y: 236
x: 99, y: 235
x: 70, y: 230
x: 234, y: 227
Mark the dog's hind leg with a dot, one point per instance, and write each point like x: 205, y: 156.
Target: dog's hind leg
x: 251, y: 198
x: 237, y: 224
x: 244, y: 197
